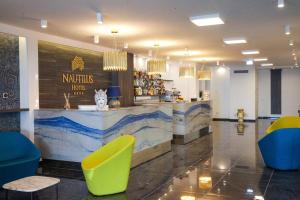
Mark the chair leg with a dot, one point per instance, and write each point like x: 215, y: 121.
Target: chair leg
x: 31, y: 195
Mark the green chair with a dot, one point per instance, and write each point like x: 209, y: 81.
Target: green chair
x: 106, y: 170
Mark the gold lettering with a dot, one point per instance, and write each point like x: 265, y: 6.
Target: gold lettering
x: 65, y: 78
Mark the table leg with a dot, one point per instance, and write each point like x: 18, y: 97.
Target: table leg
x: 56, y: 191
x: 31, y: 195
x: 6, y: 194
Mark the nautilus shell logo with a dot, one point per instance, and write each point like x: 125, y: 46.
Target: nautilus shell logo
x: 77, y: 63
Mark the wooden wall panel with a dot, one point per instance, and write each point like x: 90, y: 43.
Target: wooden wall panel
x: 125, y: 80
x: 56, y: 60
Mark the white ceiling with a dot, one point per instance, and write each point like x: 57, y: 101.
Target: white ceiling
x: 141, y: 23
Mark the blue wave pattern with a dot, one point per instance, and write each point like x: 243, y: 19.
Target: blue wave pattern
x: 191, y: 109
x: 63, y: 122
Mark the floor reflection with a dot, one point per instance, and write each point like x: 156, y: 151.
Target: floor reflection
x: 225, y: 165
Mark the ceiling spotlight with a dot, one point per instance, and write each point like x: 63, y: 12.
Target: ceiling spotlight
x: 44, y: 23
x: 99, y: 18
x: 96, y: 39
x: 294, y: 52
x: 234, y: 40
x: 207, y: 20
x: 291, y: 43
x: 266, y: 64
x: 250, y: 52
x: 287, y: 30
x: 260, y: 59
x: 126, y: 45
x: 249, y: 62
x: 280, y: 4
x: 258, y: 197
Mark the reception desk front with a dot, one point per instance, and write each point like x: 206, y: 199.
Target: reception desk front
x: 70, y: 135
x: 190, y: 120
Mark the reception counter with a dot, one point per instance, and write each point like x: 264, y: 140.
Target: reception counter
x: 190, y: 120
x: 70, y: 135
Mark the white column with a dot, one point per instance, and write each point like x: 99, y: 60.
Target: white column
x: 29, y: 89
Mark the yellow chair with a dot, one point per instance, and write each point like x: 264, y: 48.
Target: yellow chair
x: 106, y: 170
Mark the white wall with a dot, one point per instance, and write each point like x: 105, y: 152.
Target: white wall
x: 220, y: 92
x: 189, y: 87
x: 29, y: 90
x: 243, y: 92
x: 264, y: 93
x: 290, y: 91
x: 230, y: 91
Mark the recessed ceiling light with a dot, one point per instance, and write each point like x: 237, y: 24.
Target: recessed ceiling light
x: 287, y: 30
x: 280, y: 4
x: 44, y: 23
x: 96, y: 39
x: 234, y: 40
x: 99, y: 18
x: 126, y: 45
x: 249, y: 62
x: 250, y: 52
x: 266, y: 64
x: 258, y: 197
x: 207, y: 20
x: 260, y: 59
x: 291, y: 43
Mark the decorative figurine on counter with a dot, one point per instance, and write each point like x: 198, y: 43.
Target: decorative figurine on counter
x: 101, y: 100
x: 67, y: 105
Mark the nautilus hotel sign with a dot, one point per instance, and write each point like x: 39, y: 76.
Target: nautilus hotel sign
x: 77, y: 79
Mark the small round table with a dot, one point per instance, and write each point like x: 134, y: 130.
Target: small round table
x: 31, y: 185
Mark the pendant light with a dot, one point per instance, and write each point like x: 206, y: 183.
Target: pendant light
x: 156, y: 65
x: 203, y: 75
x: 187, y: 70
x: 115, y: 60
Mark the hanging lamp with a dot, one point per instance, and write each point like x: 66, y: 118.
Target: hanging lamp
x: 115, y: 60
x: 187, y: 71
x: 156, y: 65
x: 203, y: 75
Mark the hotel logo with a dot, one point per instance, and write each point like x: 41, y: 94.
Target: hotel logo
x: 77, y: 63
x: 77, y: 82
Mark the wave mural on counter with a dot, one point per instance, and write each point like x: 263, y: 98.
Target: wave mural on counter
x: 61, y: 138
x: 64, y: 122
x: 191, y: 109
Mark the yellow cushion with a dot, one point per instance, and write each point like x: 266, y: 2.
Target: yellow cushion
x: 284, y: 122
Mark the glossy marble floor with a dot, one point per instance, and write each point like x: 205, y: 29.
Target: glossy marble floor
x: 225, y: 165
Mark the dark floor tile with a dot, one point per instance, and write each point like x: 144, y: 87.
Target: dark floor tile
x: 284, y: 185
x: 242, y: 185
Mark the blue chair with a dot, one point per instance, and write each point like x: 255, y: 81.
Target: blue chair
x: 19, y: 158
x: 280, y: 147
